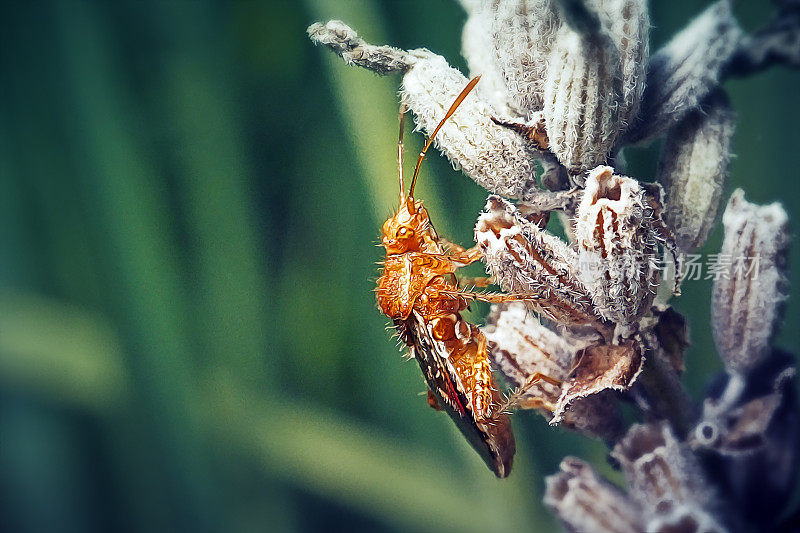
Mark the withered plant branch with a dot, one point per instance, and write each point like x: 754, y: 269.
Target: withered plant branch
x: 778, y: 43
x: 710, y: 49
x: 340, y: 38
x: 686, y: 70
x: 664, y: 395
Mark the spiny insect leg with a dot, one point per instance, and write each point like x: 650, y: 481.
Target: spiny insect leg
x: 516, y: 398
x: 491, y: 297
x: 453, y: 249
x: 476, y: 282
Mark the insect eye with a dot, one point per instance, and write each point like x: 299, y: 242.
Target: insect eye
x: 405, y: 233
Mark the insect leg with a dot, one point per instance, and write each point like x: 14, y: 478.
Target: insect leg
x: 476, y: 282
x: 461, y: 254
x: 491, y: 297
x: 534, y: 133
x: 433, y: 401
x: 516, y: 398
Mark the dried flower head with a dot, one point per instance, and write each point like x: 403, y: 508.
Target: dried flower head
x: 584, y: 501
x: 750, y: 291
x: 517, y: 38
x: 494, y: 156
x: 581, y: 94
x: 566, y: 85
x: 687, y: 69
x: 599, y: 368
x: 749, y: 436
x: 524, y: 258
x: 521, y: 347
x: 694, y: 168
x: 617, y: 247
x: 665, y: 478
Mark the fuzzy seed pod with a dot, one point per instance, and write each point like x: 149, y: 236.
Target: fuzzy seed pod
x: 495, y: 157
x: 582, y: 93
x: 666, y: 479
x: 477, y: 49
x: 598, y: 369
x: 694, y: 168
x: 628, y: 24
x: 522, y: 34
x: 687, y: 69
x: 751, y: 285
x: 616, y: 247
x: 586, y: 502
x: 520, y: 346
x: 523, y: 258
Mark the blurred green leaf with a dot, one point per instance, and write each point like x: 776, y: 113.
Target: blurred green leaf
x: 61, y: 352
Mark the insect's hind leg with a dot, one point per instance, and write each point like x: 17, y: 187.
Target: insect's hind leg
x: 517, y: 397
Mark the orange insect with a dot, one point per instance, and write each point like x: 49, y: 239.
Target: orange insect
x: 418, y: 290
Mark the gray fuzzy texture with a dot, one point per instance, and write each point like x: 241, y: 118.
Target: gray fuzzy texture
x: 495, y: 157
x: 693, y: 170
x: 594, y: 80
x: 478, y: 49
x: 748, y: 302
x: 687, y: 69
x: 523, y: 258
x: 522, y: 33
x: 627, y: 22
x: 585, y: 501
x: 340, y: 38
x: 581, y: 92
x: 616, y: 247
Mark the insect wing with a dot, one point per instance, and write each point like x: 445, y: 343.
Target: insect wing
x: 493, y: 441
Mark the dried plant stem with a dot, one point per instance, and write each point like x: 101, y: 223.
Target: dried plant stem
x: 661, y: 391
x: 777, y: 43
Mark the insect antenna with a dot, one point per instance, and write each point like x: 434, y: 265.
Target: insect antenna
x: 464, y: 93
x: 402, y: 118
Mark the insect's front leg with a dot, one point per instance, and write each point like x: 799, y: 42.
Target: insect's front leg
x: 491, y: 297
x: 461, y: 254
x: 482, y: 281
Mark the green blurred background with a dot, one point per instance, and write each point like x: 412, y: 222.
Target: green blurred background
x: 190, y: 198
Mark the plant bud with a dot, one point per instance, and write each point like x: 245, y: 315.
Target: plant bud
x: 627, y: 22
x: 522, y: 34
x: 523, y: 258
x: 495, y: 157
x: 667, y: 481
x: 687, y: 69
x: 343, y: 40
x: 616, y: 246
x: 750, y: 286
x: 584, y: 501
x: 694, y: 168
x: 520, y: 346
x: 582, y: 94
